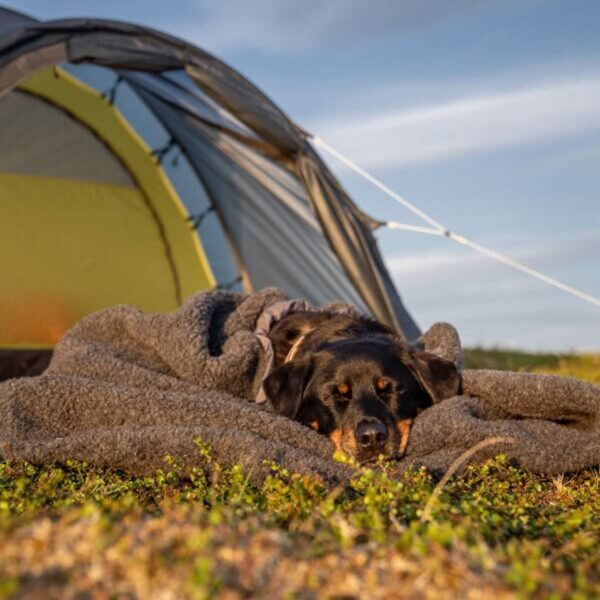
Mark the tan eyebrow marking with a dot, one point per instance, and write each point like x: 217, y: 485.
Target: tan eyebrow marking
x: 382, y: 383
x: 343, y: 388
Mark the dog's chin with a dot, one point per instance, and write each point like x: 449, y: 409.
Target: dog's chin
x: 391, y: 453
x: 376, y: 458
x: 365, y: 462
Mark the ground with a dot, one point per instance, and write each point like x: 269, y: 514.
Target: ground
x: 499, y: 531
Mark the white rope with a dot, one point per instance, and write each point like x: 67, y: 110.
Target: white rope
x: 417, y: 228
x: 523, y: 268
x: 384, y: 188
x: 439, y: 229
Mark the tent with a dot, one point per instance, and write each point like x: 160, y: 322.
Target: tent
x: 92, y: 214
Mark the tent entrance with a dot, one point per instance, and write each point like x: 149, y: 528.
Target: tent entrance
x: 88, y: 218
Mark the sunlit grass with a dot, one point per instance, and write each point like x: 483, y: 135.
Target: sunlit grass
x: 583, y: 366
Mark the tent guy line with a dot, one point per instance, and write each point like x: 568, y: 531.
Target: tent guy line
x: 440, y: 230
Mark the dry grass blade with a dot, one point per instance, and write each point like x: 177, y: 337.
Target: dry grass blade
x: 457, y: 464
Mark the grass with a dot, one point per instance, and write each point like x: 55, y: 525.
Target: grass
x: 498, y: 531
x: 583, y: 366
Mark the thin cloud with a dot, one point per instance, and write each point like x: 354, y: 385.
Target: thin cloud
x: 275, y: 26
x: 478, y: 123
x: 492, y: 304
x: 453, y: 262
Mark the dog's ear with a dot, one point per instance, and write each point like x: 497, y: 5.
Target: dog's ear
x: 284, y: 387
x: 438, y: 377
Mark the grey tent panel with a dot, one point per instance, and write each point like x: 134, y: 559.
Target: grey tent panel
x: 23, y: 64
x: 122, y: 46
x: 153, y: 51
x: 348, y: 230
x: 11, y: 20
x: 194, y: 103
x: 46, y: 141
x: 264, y: 210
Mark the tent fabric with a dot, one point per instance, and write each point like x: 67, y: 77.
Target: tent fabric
x: 183, y: 251
x: 198, y: 105
x: 330, y: 203
x: 88, y: 219
x: 264, y: 209
x: 41, y: 132
x: 356, y: 265
x: 351, y: 238
x: 11, y: 20
x: 67, y: 266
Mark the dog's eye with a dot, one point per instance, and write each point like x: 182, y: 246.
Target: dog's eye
x: 382, y: 384
x: 343, y: 389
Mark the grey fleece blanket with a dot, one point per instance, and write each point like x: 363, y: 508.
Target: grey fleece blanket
x: 125, y: 389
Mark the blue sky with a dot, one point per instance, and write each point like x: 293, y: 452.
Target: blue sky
x: 484, y: 114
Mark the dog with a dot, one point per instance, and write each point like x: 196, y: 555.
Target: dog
x: 354, y: 380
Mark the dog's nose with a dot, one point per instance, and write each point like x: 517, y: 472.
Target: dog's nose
x: 371, y: 435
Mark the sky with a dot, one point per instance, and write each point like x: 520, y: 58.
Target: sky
x: 484, y: 114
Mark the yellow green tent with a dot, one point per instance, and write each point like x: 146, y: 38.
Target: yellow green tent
x: 89, y: 218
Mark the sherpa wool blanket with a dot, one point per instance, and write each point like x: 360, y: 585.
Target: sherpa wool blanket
x: 125, y: 389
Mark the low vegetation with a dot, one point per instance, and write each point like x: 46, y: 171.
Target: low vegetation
x: 583, y: 366
x: 497, y: 531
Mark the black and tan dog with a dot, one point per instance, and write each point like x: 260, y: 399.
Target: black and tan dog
x: 352, y: 379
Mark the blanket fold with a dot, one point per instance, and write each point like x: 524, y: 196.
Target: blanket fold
x: 125, y: 389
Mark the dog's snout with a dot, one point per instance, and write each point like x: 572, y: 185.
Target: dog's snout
x: 371, y: 435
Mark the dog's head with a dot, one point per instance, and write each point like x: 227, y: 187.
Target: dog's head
x: 363, y: 393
